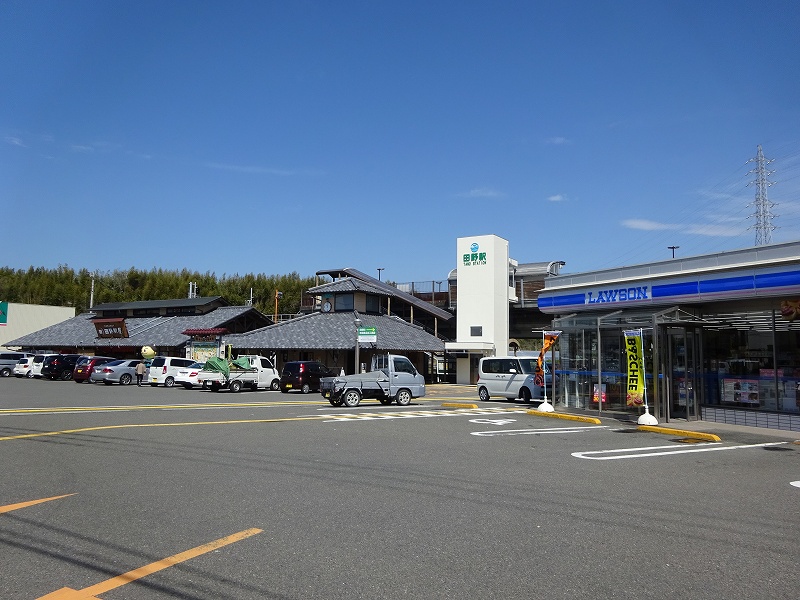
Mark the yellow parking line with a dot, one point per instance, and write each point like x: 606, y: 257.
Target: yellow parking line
x: 8, y: 411
x: 17, y: 506
x: 25, y: 436
x: 92, y: 592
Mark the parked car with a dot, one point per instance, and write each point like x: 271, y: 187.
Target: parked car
x: 87, y: 364
x: 59, y: 366
x: 23, y: 367
x: 511, y: 377
x: 187, y: 377
x: 38, y: 361
x: 163, y: 369
x: 304, y: 375
x: 8, y: 361
x: 117, y: 371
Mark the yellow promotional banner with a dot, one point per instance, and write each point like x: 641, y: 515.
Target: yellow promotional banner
x: 635, y: 359
x: 548, y: 339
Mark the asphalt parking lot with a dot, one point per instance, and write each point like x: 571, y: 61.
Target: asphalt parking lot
x: 125, y: 492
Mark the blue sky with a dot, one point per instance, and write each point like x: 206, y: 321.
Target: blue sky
x: 294, y: 136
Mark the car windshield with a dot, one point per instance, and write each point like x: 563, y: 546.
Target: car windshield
x: 114, y: 363
x: 196, y: 365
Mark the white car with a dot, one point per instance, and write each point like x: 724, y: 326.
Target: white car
x: 38, y: 362
x: 23, y: 368
x: 163, y: 369
x: 187, y: 376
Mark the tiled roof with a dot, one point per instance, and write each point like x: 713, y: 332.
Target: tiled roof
x: 337, y: 331
x: 347, y: 284
x: 379, y: 287
x: 142, y: 331
x: 174, y: 303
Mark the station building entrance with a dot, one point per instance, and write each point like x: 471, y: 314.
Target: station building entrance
x: 721, y: 336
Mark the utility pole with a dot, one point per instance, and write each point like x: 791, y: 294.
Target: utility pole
x: 763, y: 206
x: 673, y: 248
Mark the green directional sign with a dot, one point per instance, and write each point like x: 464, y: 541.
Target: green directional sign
x: 3, y: 313
x: 367, y: 335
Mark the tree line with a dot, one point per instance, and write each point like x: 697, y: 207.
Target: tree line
x: 63, y: 286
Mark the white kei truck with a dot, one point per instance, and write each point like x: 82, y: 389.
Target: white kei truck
x: 391, y: 378
x: 250, y: 372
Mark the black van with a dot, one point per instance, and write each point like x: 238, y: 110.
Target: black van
x: 303, y: 375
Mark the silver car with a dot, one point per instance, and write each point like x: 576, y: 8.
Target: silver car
x: 116, y: 371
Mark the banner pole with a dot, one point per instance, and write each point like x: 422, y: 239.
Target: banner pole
x: 646, y: 418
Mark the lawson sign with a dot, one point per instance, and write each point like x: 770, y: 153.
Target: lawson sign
x: 735, y: 285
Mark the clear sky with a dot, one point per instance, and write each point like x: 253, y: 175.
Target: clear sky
x: 299, y: 135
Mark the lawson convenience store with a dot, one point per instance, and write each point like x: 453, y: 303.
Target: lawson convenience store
x: 721, y: 336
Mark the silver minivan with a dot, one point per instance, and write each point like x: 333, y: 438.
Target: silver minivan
x: 8, y: 361
x: 510, y: 377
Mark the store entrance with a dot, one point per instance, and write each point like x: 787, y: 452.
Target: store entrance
x: 682, y: 371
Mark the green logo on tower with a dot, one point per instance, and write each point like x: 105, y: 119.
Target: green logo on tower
x: 474, y: 257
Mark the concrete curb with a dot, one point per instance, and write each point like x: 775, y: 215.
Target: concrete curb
x: 459, y: 405
x: 554, y: 415
x: 700, y: 435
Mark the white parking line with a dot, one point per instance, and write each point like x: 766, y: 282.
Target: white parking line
x: 538, y: 431
x: 666, y: 450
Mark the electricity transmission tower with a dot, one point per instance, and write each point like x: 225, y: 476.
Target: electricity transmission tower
x: 763, y: 206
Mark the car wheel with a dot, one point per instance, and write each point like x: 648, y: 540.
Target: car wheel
x: 284, y: 391
x: 275, y: 385
x: 526, y: 394
x: 386, y: 401
x: 335, y: 401
x: 5, y: 372
x: 215, y: 387
x: 235, y: 386
x: 169, y: 382
x: 66, y: 375
x: 29, y: 375
x: 188, y: 386
x: 306, y: 388
x: 403, y: 398
x: 351, y: 398
x: 483, y: 394
x: 125, y: 379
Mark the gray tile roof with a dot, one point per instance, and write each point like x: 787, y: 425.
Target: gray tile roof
x: 142, y: 331
x: 337, y: 331
x: 347, y: 284
x: 174, y: 303
x: 385, y: 289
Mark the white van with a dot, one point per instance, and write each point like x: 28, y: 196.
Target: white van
x: 38, y: 362
x: 510, y: 377
x: 164, y: 369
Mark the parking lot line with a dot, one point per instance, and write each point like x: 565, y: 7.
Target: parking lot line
x: 92, y: 592
x: 18, y: 505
